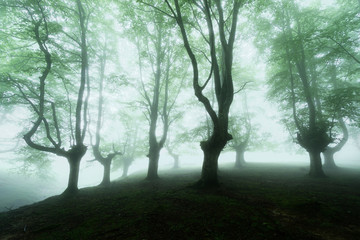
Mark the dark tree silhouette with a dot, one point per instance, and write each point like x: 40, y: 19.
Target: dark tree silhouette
x: 221, y: 69
x: 45, y: 109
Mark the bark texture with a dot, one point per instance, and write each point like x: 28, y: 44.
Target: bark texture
x: 74, y: 158
x: 315, y: 164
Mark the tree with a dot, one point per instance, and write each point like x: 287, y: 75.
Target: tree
x: 319, y: 98
x: 171, y: 146
x: 157, y: 52
x: 338, y: 46
x: 99, y: 156
x: 43, y: 31
x: 344, y: 105
x: 219, y: 18
x: 131, y: 149
x: 240, y: 128
x: 294, y: 81
x: 246, y: 134
x: 132, y: 143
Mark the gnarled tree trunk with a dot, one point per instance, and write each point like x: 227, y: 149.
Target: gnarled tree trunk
x: 74, y: 158
x: 315, y: 164
x: 154, y: 155
x: 209, y: 175
x: 106, y: 176
x: 329, y: 152
x: 211, y: 149
x: 329, y: 161
x: 315, y: 141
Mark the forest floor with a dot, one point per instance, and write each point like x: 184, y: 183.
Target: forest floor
x: 256, y: 202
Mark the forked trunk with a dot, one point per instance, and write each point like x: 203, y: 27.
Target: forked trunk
x: 240, y: 159
x: 154, y: 155
x: 315, y: 164
x: 106, y: 177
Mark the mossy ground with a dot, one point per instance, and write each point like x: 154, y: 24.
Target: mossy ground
x: 256, y: 202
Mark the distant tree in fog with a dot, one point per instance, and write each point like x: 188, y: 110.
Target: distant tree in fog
x: 133, y: 143
x: 158, y: 51
x: 302, y: 79
x: 339, y: 36
x: 104, y: 157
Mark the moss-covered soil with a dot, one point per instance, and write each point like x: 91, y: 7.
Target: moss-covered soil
x: 256, y: 202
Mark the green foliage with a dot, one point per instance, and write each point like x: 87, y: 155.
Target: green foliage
x: 344, y: 101
x: 248, y: 135
x: 315, y: 139
x: 306, y: 69
x: 317, y: 46
x: 33, y: 163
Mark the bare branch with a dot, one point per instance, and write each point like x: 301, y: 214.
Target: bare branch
x: 242, y: 87
x: 72, y: 38
x: 25, y: 97
x: 198, y: 28
x: 345, y: 50
x: 48, y: 133
x: 72, y: 137
x: 58, y: 136
x: 204, y: 54
x: 210, y: 75
x: 172, y: 10
x: 158, y: 9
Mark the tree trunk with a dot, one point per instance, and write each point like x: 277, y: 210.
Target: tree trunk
x: 125, y: 168
x: 329, y: 162
x: 330, y: 151
x: 315, y: 164
x: 154, y: 155
x: 240, y: 159
x: 72, y: 187
x: 74, y: 156
x: 212, y: 149
x: 176, y: 162
x: 106, y: 177
x: 174, y: 156
x: 209, y: 177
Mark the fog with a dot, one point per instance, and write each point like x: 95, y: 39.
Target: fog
x: 19, y: 189
x: 131, y: 92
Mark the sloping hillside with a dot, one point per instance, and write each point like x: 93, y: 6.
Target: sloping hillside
x: 258, y: 202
